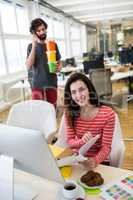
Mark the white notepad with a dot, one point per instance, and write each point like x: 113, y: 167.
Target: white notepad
x: 69, y: 160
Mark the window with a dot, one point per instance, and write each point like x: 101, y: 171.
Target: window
x: 23, y: 45
x: 58, y: 29
x: 8, y: 20
x: 75, y: 40
x: 60, y: 36
x: 13, y: 55
x: 61, y: 46
x: 22, y: 19
x: 2, y: 62
x: 75, y: 33
x: 76, y: 48
x: 15, y: 35
x: 48, y: 20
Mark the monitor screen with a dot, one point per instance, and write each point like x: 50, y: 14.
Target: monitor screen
x: 85, y: 54
x: 70, y: 61
x: 95, y: 62
x: 30, y: 151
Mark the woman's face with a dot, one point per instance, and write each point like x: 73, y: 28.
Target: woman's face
x: 79, y: 93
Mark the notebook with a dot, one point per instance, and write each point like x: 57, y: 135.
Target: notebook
x: 69, y: 160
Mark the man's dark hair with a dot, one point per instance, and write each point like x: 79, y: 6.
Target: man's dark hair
x: 36, y: 23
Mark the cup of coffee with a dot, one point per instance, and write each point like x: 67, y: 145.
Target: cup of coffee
x: 52, y: 67
x: 70, y: 190
x: 50, y: 45
x: 51, y: 55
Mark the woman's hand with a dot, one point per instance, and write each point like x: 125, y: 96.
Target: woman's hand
x: 89, y: 164
x: 87, y: 136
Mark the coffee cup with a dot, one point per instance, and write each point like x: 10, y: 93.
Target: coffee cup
x: 52, y: 67
x: 50, y: 45
x: 51, y: 55
x: 70, y: 190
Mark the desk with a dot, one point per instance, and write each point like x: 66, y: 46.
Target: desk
x: 115, y: 77
x: 20, y: 88
x: 46, y: 188
x: 121, y: 75
x: 70, y: 69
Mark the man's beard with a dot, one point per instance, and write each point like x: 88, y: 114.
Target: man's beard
x: 42, y: 37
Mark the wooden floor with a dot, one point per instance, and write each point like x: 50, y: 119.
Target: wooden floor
x: 126, y: 120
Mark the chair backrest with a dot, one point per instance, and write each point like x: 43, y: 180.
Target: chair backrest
x: 101, y: 79
x: 61, y: 142
x: 34, y: 114
x: 117, y: 148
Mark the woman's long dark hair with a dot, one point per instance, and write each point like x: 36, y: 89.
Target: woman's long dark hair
x: 72, y: 109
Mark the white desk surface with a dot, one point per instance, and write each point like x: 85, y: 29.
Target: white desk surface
x: 72, y: 69
x: 20, y: 85
x: 120, y: 75
x: 48, y: 189
x: 116, y: 76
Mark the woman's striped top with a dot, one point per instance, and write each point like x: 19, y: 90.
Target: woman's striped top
x: 103, y: 124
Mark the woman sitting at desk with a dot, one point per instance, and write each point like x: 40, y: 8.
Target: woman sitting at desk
x: 85, y: 117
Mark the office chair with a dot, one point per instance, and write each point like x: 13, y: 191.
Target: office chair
x: 117, y: 148
x: 101, y: 79
x: 34, y: 114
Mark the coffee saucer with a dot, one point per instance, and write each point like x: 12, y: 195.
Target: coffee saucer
x: 80, y: 194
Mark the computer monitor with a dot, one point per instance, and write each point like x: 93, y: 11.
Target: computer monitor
x: 70, y: 61
x: 85, y: 54
x: 110, y: 54
x: 30, y: 152
x: 96, y: 62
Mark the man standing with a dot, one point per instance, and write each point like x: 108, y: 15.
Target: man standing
x: 44, y: 83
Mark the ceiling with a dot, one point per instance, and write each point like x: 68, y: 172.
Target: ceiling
x: 92, y: 11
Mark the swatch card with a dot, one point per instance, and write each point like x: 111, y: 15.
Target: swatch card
x: 119, y: 190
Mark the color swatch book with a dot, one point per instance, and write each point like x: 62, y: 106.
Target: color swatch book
x: 121, y: 189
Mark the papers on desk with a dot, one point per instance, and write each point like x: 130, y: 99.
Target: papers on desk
x: 56, y: 150
x: 69, y: 160
x: 119, y: 190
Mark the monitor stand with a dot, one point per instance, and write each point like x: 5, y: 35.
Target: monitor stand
x: 8, y: 189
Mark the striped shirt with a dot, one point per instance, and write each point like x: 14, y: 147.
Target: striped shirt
x: 103, y: 124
